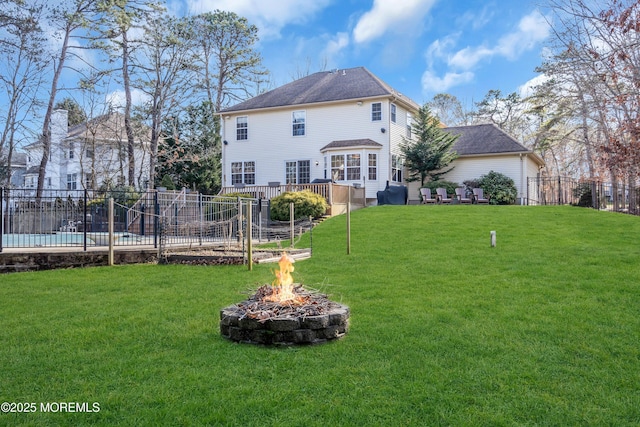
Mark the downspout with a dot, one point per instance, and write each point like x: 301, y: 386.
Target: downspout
x: 223, y: 129
x: 522, y: 179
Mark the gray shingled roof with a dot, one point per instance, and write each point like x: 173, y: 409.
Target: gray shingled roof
x: 19, y: 159
x: 484, y: 139
x: 324, y: 86
x: 346, y: 143
x: 108, y: 126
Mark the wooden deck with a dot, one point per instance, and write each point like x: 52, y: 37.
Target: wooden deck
x: 336, y: 195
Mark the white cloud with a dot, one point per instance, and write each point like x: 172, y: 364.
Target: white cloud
x: 525, y: 90
x: 532, y: 29
x: 390, y: 16
x: 334, y: 46
x: 468, y: 57
x: 434, y: 84
x: 475, y: 20
x: 439, y: 49
x: 270, y: 16
x: 117, y: 99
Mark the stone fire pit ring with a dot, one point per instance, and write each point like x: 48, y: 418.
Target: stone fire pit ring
x: 316, y: 329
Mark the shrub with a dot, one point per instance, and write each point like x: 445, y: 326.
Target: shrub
x: 500, y: 187
x: 305, y: 204
x: 441, y: 183
x: 583, y: 193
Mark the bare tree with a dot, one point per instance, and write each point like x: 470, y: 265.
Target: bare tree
x: 230, y: 66
x: 65, y: 18
x: 118, y: 20
x: 21, y: 41
x: 165, y: 74
x: 449, y: 110
x: 602, y: 42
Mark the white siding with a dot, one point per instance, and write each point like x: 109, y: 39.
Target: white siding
x: 270, y: 141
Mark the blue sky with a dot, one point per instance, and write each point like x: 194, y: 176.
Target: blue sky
x: 419, y: 47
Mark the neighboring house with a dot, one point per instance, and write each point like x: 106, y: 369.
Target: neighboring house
x: 88, y: 155
x: 18, y: 168
x: 346, y: 126
x: 486, y: 147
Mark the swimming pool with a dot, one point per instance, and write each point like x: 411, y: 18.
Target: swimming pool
x: 76, y: 239
x: 71, y: 239
x: 40, y: 240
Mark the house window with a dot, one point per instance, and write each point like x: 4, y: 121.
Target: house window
x: 337, y: 167
x: 393, y: 113
x: 353, y: 167
x: 298, y: 172
x: 28, y: 182
x: 243, y: 173
x: 299, y: 118
x: 89, y: 153
x: 48, y: 182
x: 72, y: 181
x: 376, y: 111
x: 396, y: 168
x: 409, y: 124
x: 345, y: 165
x: 373, y: 167
x: 71, y: 155
x: 242, y: 128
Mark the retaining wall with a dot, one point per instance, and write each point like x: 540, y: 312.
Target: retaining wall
x: 32, y: 261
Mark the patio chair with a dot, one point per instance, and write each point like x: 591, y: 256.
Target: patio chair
x: 478, y: 196
x: 461, y: 194
x: 426, y: 196
x: 442, y: 196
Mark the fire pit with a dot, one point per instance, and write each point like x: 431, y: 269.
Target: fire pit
x: 284, y: 313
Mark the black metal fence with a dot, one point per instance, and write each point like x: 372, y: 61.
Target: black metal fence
x: 80, y: 219
x: 611, y: 196
x: 70, y: 218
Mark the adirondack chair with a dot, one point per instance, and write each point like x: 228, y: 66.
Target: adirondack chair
x: 442, y: 196
x: 461, y: 193
x: 426, y: 196
x: 478, y: 196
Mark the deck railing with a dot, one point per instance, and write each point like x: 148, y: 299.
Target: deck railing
x: 336, y: 195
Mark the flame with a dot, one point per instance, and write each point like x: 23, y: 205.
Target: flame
x: 282, y: 286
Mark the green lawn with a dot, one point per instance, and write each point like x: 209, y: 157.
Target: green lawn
x: 543, y: 329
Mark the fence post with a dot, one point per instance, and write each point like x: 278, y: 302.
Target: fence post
x: 559, y: 191
x: 156, y: 217
x: 201, y: 207
x: 292, y: 232
x: 260, y: 219
x: 249, y: 236
x: 84, y: 221
x: 2, y: 216
x: 239, y: 225
x: 349, y: 223
x: 110, y: 222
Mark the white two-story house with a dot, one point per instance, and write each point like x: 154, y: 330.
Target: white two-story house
x: 89, y: 155
x: 340, y: 125
x: 346, y: 126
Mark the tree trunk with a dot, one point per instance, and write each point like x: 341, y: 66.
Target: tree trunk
x: 127, y: 110
x: 46, y: 125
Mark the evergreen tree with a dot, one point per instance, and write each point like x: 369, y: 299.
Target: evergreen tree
x: 188, y: 156
x: 429, y: 153
x: 76, y: 114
